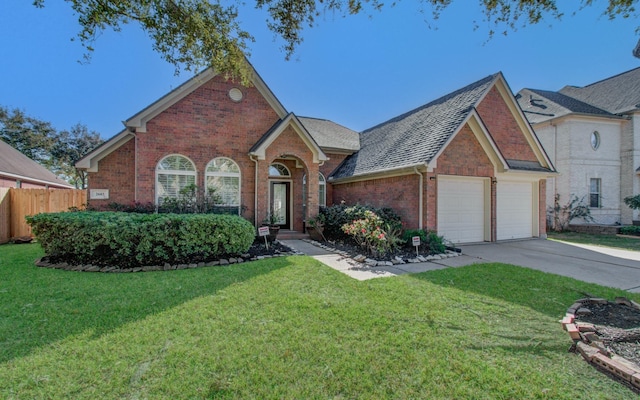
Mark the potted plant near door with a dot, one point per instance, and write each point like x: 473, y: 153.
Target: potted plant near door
x: 315, y: 228
x: 272, y: 222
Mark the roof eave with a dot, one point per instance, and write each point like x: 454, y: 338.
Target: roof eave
x: 25, y: 178
x: 291, y: 120
x: 90, y: 161
x: 382, y: 173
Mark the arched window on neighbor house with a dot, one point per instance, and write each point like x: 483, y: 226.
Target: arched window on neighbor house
x: 173, y: 173
x: 223, y: 175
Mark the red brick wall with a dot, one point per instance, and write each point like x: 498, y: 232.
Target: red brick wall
x: 116, y: 172
x: 6, y: 182
x: 293, y: 147
x: 503, y: 128
x: 401, y: 193
x: 327, y: 168
x: 203, y: 125
x: 11, y: 183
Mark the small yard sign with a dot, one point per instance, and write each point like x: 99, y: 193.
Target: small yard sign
x: 264, y: 232
x: 416, y: 242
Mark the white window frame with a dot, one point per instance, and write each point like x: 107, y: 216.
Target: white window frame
x: 282, y: 169
x: 322, y: 190
x: 181, y: 173
x: 597, y: 193
x: 234, y: 197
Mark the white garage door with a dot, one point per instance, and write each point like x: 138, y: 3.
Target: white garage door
x: 515, y: 210
x: 461, y: 209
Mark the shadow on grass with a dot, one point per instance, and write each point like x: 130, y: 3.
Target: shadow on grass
x: 543, y: 292
x: 40, y: 306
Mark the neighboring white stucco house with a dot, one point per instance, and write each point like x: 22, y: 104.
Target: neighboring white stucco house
x: 592, y: 135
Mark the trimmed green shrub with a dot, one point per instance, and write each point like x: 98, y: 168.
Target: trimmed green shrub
x: 133, y: 207
x: 429, y: 240
x: 126, y: 240
x: 630, y: 230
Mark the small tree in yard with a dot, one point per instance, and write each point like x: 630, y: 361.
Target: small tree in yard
x: 562, y: 215
x: 633, y: 202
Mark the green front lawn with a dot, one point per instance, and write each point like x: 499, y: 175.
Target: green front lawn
x: 290, y: 328
x: 628, y: 243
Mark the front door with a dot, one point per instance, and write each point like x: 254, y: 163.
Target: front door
x: 279, y: 203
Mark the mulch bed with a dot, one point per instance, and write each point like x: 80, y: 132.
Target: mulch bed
x: 617, y: 325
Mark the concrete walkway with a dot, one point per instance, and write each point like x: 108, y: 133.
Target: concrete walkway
x: 604, y: 266
x: 363, y: 272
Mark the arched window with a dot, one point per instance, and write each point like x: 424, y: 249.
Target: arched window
x: 322, y: 190
x: 277, y: 169
x: 173, y: 173
x: 223, y: 176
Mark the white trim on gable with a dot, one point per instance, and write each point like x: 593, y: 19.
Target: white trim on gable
x: 139, y: 120
x: 532, y: 139
x: 292, y: 121
x: 90, y: 161
x: 482, y: 135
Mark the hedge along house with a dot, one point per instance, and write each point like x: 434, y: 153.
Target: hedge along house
x: 212, y: 132
x: 467, y: 165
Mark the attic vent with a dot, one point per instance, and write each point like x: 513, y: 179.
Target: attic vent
x: 235, y: 94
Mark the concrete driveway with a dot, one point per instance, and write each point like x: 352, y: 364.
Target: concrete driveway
x: 604, y: 266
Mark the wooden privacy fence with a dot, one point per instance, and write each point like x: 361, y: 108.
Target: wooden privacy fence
x: 16, y: 204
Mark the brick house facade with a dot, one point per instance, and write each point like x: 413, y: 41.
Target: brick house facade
x: 274, y: 155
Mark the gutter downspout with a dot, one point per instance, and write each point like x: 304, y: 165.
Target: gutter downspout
x: 135, y: 168
x: 255, y: 190
x: 420, y: 198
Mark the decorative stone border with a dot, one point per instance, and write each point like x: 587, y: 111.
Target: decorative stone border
x: 42, y: 262
x: 382, y: 263
x: 590, y: 346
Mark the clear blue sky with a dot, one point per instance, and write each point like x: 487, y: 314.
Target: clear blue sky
x: 357, y: 71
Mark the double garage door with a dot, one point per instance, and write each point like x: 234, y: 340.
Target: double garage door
x: 464, y: 209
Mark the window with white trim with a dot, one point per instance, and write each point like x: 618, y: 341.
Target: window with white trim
x: 277, y: 169
x: 173, y: 173
x: 223, y: 175
x: 595, y: 193
x: 322, y: 190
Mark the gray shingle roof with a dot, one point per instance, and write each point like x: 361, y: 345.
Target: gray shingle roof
x: 542, y: 105
x: 416, y: 136
x: 330, y: 135
x: 527, y: 166
x: 618, y: 94
x: 15, y: 163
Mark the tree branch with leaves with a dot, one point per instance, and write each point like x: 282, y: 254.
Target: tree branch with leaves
x: 196, y: 34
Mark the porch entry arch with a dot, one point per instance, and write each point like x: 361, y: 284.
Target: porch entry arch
x: 280, y: 199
